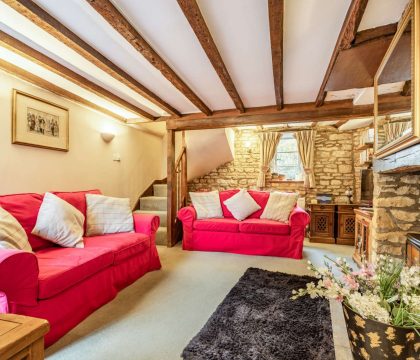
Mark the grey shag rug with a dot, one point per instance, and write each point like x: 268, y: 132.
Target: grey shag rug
x: 258, y: 321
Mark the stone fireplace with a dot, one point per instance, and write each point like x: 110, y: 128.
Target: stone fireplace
x: 396, y: 206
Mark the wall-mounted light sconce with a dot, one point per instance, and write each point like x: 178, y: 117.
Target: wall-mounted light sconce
x: 107, y: 137
x: 248, y: 145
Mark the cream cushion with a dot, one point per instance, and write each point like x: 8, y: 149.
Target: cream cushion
x: 12, y: 235
x: 59, y: 222
x: 108, y: 215
x: 241, y: 205
x: 207, y: 204
x: 279, y: 206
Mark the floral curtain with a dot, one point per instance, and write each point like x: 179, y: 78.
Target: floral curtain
x: 268, y: 146
x: 306, y: 144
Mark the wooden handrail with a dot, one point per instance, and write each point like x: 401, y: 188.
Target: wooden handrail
x: 178, y: 160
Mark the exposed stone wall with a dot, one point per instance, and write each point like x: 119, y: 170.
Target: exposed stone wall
x: 396, y: 212
x: 333, y: 165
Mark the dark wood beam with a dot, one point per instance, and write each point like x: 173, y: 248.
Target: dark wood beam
x: 406, y: 91
x: 36, y: 80
x: 171, y: 179
x: 37, y: 57
x: 340, y: 123
x: 45, y: 21
x: 111, y: 14
x: 375, y: 33
x: 344, y: 41
x: 335, y: 110
x: 275, y: 15
x: 193, y: 14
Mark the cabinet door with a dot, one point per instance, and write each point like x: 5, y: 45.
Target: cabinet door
x: 322, y: 224
x: 346, y: 228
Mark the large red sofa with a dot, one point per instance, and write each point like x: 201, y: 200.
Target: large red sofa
x: 65, y: 285
x: 253, y: 236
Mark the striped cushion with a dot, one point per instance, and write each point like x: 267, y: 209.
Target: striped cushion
x: 108, y: 215
x: 12, y: 234
x: 207, y: 204
x: 279, y: 206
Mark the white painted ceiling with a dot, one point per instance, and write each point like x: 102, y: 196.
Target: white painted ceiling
x: 240, y: 30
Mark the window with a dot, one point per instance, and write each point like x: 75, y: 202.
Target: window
x: 287, y: 160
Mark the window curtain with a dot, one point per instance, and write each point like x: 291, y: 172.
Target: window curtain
x: 394, y: 130
x: 268, y: 146
x: 306, y: 144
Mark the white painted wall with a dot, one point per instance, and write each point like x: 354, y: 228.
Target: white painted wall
x: 88, y: 164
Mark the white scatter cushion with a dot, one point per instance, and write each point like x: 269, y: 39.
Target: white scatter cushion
x: 108, y: 215
x: 207, y: 204
x: 279, y: 206
x: 241, y: 205
x: 59, y: 222
x: 12, y: 235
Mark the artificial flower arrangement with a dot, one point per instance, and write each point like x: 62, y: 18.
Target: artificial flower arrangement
x: 388, y: 292
x: 381, y: 305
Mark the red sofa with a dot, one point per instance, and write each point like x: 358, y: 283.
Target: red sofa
x: 65, y: 285
x: 253, y: 236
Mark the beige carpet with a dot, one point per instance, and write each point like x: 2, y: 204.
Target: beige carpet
x: 155, y: 318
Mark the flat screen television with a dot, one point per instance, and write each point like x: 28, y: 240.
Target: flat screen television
x: 366, y: 186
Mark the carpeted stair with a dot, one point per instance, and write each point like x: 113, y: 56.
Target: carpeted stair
x: 156, y: 205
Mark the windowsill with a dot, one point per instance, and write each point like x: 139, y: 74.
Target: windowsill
x: 286, y: 181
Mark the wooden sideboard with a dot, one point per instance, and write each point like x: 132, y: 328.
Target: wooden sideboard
x: 413, y: 249
x: 332, y: 223
x: 362, y: 245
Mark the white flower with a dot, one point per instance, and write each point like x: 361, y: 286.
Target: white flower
x: 368, y: 306
x: 410, y: 277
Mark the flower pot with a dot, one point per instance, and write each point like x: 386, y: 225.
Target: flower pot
x: 370, y: 339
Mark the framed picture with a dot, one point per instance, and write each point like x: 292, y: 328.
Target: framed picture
x: 40, y: 123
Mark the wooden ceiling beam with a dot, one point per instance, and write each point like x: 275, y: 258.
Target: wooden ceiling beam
x: 114, y: 18
x: 45, y: 21
x: 375, y: 33
x: 344, y: 41
x: 42, y: 83
x: 340, y: 123
x: 305, y: 112
x: 37, y: 57
x: 276, y: 15
x: 193, y: 14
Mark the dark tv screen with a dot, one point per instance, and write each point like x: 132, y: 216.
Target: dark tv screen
x: 366, y: 187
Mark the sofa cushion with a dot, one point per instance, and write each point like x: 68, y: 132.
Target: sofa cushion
x: 226, y: 225
x: 61, y: 268
x: 260, y: 197
x: 123, y: 245
x: 263, y: 226
x: 59, y: 222
x: 77, y: 199
x: 24, y: 208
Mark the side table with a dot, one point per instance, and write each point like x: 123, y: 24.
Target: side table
x: 22, y: 337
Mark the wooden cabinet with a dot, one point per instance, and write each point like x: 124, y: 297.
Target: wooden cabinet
x: 413, y: 249
x: 332, y: 223
x: 322, y: 223
x: 362, y: 242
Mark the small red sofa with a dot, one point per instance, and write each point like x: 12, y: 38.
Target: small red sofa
x: 65, y: 285
x: 253, y: 236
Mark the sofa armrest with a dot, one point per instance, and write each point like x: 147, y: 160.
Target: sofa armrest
x: 187, y: 215
x: 146, y: 223
x: 299, y: 217
x: 19, y: 277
